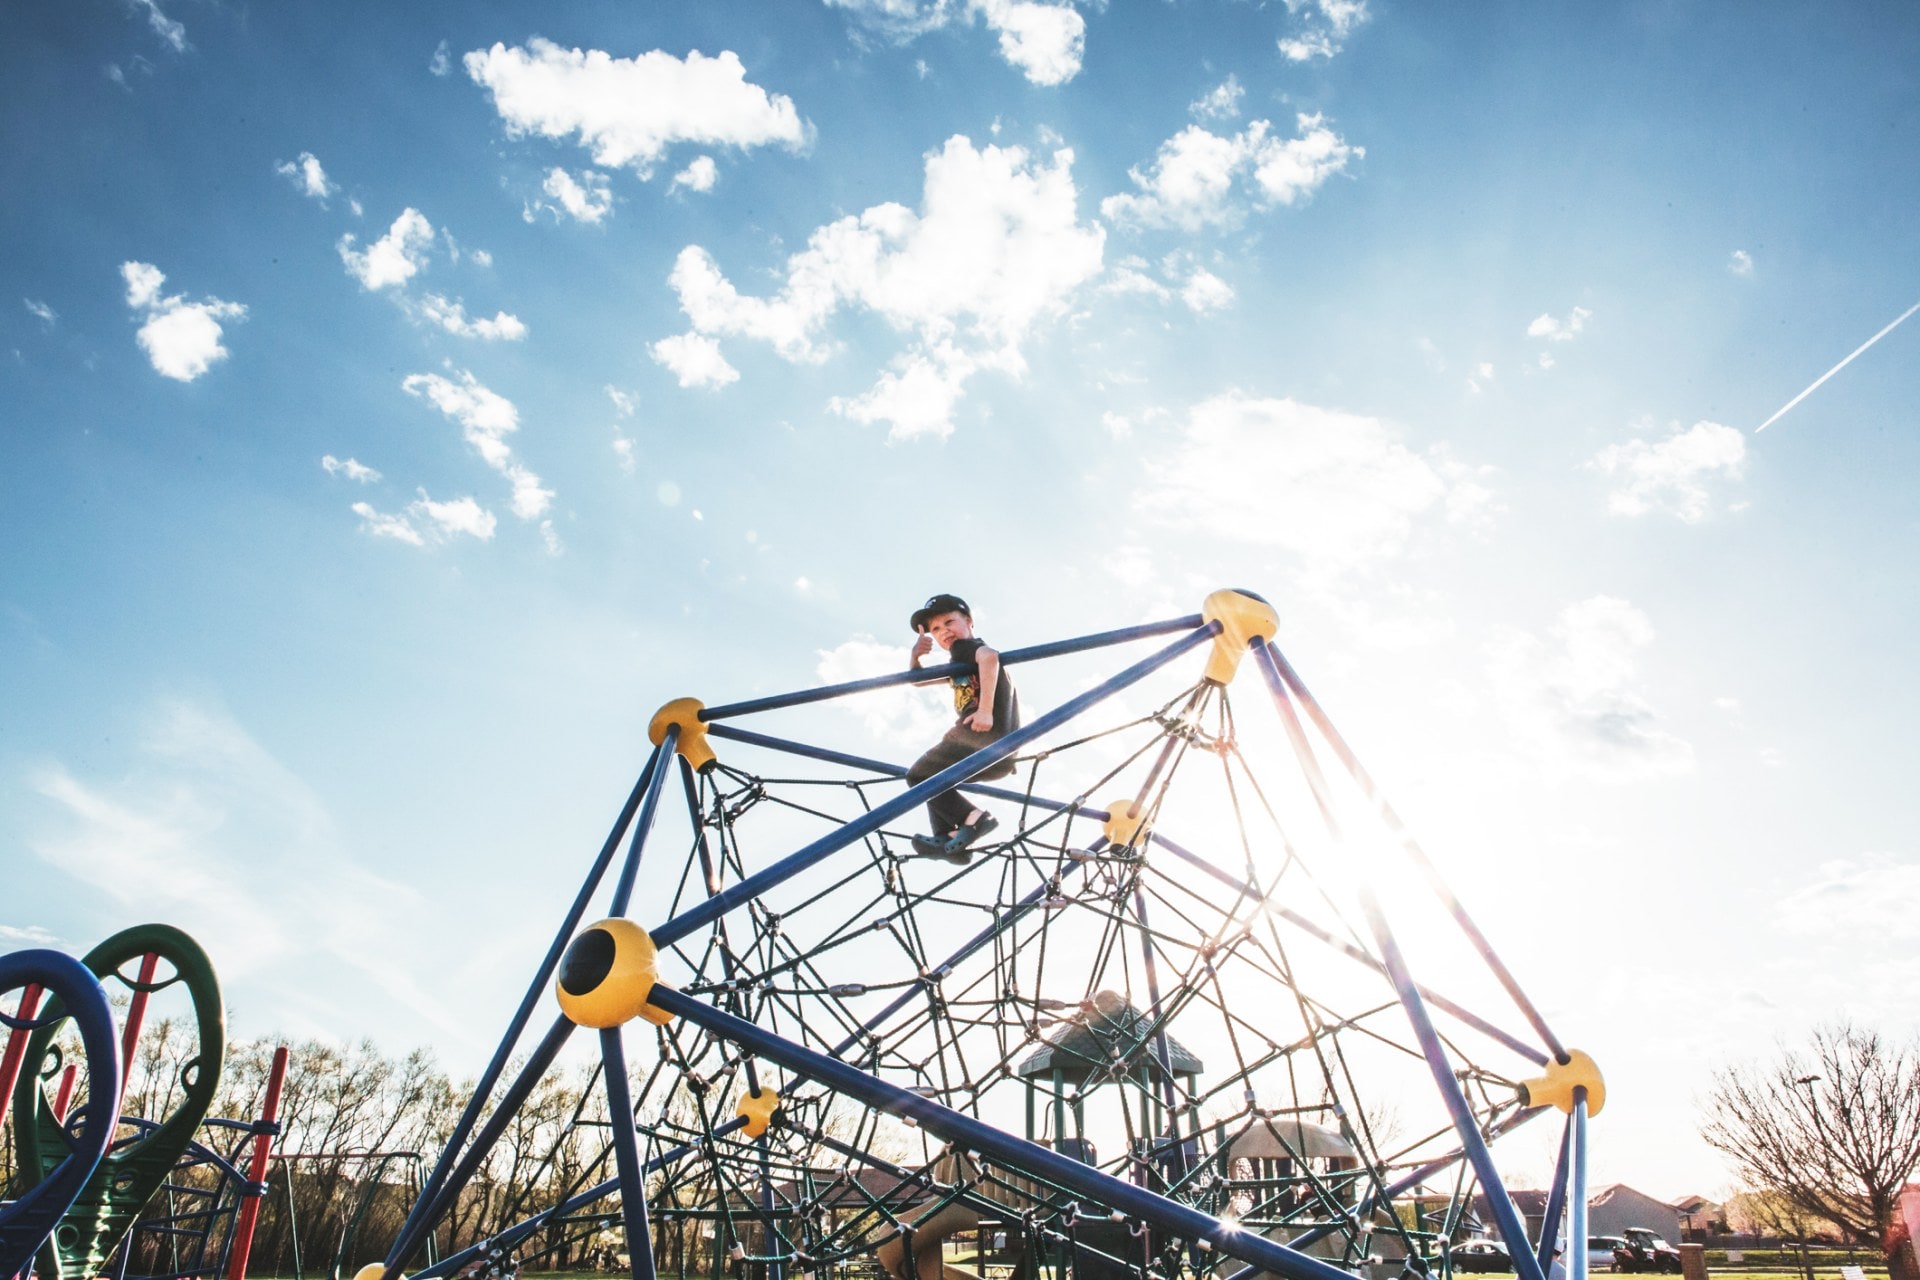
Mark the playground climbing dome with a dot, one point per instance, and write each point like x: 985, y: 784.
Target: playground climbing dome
x: 1167, y: 1025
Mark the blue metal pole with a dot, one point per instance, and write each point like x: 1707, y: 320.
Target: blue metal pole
x: 1275, y: 663
x: 1556, y: 1199
x: 1577, y: 1224
x: 427, y: 1211
x: 1512, y: 1230
x: 927, y: 675
x: 1015, y: 1153
x: 657, y: 774
x: 408, y: 1238
x: 753, y: 886
x: 886, y: 770
x: 626, y: 1154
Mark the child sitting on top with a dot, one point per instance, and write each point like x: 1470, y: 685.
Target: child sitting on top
x: 988, y: 709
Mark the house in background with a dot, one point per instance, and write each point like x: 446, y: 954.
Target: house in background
x: 1531, y: 1204
x: 1699, y: 1217
x: 1611, y: 1210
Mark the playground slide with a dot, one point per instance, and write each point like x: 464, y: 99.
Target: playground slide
x: 929, y: 1235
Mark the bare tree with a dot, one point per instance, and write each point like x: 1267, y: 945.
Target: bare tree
x: 1833, y: 1130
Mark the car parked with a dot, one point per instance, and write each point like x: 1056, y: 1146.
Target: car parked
x: 1481, y: 1255
x: 1600, y: 1251
x: 1645, y: 1251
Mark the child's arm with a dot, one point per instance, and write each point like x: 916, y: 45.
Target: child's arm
x: 989, y: 664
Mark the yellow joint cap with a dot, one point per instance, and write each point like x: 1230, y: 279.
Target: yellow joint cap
x: 1243, y: 617
x: 683, y: 714
x: 606, y: 975
x: 758, y: 1109
x: 1555, y: 1089
x: 373, y: 1271
x: 1123, y: 822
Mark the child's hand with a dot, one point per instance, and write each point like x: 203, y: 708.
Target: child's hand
x: 922, y: 644
x: 980, y: 721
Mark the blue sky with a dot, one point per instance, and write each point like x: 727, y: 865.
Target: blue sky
x: 400, y: 403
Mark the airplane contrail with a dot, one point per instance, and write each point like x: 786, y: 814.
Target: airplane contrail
x: 1837, y: 368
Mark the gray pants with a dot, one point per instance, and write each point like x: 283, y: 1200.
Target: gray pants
x: 949, y: 809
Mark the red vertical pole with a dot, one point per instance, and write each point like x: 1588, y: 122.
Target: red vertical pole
x: 65, y: 1096
x: 257, y: 1172
x: 136, y: 1014
x: 16, y: 1047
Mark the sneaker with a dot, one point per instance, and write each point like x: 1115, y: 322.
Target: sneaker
x: 965, y: 836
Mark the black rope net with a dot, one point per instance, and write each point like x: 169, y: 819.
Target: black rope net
x: 1173, y: 987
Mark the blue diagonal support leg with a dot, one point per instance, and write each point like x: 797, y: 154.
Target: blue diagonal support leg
x: 626, y: 1155
x: 1505, y: 1216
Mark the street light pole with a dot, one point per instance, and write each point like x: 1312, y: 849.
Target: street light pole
x: 1813, y: 1109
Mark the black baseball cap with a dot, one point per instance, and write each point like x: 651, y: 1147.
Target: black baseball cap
x: 937, y: 605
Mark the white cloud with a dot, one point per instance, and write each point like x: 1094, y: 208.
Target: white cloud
x: 1672, y: 474
x: 623, y: 450
x: 481, y: 258
x: 425, y: 518
x: 393, y: 259
x: 1046, y: 42
x: 169, y: 31
x: 996, y: 249
x: 442, y: 62
x: 30, y: 936
x: 1334, y: 488
x: 1741, y: 263
x: 628, y: 111
x: 307, y: 176
x: 460, y: 515
x: 452, y: 316
x: 181, y: 338
x: 916, y: 396
x: 1205, y: 291
x: 1546, y: 326
x: 1222, y: 102
x: 699, y: 175
x: 1324, y: 30
x: 41, y: 312
x: 695, y: 360
x: 1287, y: 171
x: 383, y: 525
x: 1129, y: 276
x: 588, y: 198
x: 1572, y: 699
x: 143, y: 284
x: 623, y: 402
x: 351, y: 468
x: 486, y: 419
x: 1194, y: 177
